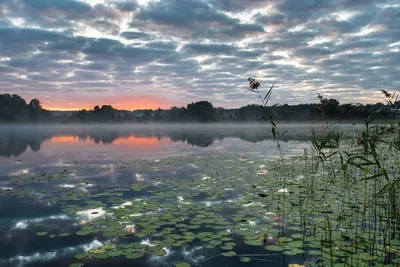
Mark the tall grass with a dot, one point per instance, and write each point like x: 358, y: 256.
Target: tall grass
x: 350, y: 201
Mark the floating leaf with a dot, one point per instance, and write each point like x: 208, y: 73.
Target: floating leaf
x: 115, y: 253
x: 245, y: 259
x: 81, y: 256
x: 229, y: 254
x: 274, y: 248
x: 41, y: 233
x: 83, y: 232
x: 101, y: 255
x: 65, y: 234
x: 133, y: 256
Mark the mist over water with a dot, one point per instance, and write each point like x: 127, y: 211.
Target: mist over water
x: 91, y: 159
x: 16, y: 139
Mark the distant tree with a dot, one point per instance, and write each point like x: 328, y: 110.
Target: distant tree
x: 328, y: 106
x: 11, y: 106
x: 158, y: 115
x: 35, y: 104
x: 202, y: 111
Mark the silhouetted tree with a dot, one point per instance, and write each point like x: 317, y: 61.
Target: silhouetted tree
x: 328, y: 106
x: 202, y: 111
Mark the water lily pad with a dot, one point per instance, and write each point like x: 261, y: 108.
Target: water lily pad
x: 81, y: 256
x: 229, y: 254
x: 245, y: 259
x: 133, y: 256
x: 109, y: 246
x: 160, y: 252
x: 115, y: 253
x: 97, y: 251
x: 215, y: 242
x: 76, y: 265
x: 41, y: 233
x: 182, y: 264
x: 274, y: 248
x: 284, y: 239
x: 253, y: 242
x: 101, y: 255
x: 83, y: 232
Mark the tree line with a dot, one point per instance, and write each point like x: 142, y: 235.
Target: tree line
x: 14, y: 108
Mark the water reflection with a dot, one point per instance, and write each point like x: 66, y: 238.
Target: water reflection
x: 15, y: 140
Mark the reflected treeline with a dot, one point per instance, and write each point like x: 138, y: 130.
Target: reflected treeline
x: 14, y: 140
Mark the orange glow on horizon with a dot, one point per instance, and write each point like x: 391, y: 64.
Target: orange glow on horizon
x: 64, y: 139
x: 120, y: 103
x: 130, y: 142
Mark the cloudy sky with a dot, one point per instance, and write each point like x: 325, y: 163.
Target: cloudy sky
x: 75, y: 54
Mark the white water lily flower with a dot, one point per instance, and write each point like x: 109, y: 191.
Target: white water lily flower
x: 91, y: 214
x: 283, y: 190
x: 128, y: 203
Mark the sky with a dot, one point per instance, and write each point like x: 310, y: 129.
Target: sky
x: 73, y: 54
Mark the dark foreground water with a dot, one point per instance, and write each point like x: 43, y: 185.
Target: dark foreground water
x: 147, y: 195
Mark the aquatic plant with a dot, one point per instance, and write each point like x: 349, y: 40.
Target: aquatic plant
x: 361, y: 225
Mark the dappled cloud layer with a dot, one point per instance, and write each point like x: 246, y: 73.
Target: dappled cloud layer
x: 160, y: 53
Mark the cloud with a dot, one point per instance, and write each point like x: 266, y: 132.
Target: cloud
x: 210, y: 49
x: 127, y: 6
x: 61, y: 5
x: 238, y: 5
x: 198, y: 21
x: 135, y: 35
x: 199, y: 49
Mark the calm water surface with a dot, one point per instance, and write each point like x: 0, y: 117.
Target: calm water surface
x: 93, y: 159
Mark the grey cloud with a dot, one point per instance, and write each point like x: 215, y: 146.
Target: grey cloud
x: 134, y: 35
x: 62, y: 14
x: 105, y: 26
x: 44, y: 77
x: 90, y: 75
x: 14, y: 41
x: 269, y: 66
x: 355, y: 23
x: 127, y: 6
x: 238, y: 5
x: 249, y: 53
x: 71, y: 44
x: 169, y: 12
x: 162, y: 45
x: 300, y: 11
x: 4, y: 22
x: 198, y: 21
x: 7, y: 69
x: 333, y: 62
x: 270, y: 19
x: 313, y: 52
x: 210, y: 49
x: 357, y: 3
x: 31, y: 64
x: 97, y: 66
x: 361, y: 43
x: 62, y: 5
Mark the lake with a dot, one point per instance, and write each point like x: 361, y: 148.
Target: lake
x: 156, y: 195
